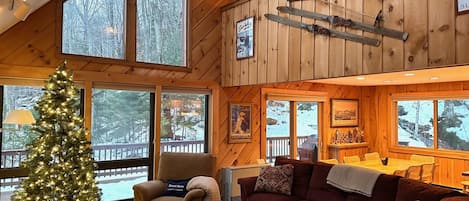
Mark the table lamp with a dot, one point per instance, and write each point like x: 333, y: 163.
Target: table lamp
x: 19, y: 117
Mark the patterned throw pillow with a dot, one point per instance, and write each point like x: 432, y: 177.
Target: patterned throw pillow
x: 277, y: 179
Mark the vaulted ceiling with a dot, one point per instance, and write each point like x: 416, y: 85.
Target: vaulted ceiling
x: 7, y: 19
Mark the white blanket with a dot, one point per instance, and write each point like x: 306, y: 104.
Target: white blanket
x: 353, y: 179
x: 207, y: 184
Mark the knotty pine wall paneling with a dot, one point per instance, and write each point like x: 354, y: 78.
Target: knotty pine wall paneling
x: 33, y: 43
x: 372, y: 56
x: 307, y: 46
x: 337, y: 45
x: 393, y: 49
x: 436, y: 38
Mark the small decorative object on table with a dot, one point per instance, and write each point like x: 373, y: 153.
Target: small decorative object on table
x: 384, y: 161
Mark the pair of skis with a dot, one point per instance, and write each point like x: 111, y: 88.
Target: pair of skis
x: 335, y: 21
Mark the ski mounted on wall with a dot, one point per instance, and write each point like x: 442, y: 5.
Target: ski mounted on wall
x: 340, y: 21
x: 313, y: 28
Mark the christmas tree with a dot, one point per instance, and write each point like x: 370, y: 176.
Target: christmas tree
x: 60, y: 159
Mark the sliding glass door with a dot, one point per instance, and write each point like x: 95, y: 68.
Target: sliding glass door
x: 122, y: 132
x: 292, y: 130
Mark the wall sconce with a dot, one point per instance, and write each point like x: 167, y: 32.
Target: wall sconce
x: 21, y: 11
x: 19, y: 117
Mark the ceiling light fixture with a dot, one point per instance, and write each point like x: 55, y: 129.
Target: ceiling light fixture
x: 360, y: 78
x: 21, y: 11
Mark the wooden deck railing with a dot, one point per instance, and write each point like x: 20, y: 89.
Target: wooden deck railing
x: 278, y: 146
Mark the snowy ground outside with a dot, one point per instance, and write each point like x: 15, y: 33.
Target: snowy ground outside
x: 113, y: 187
x: 426, y: 117
x: 307, y: 121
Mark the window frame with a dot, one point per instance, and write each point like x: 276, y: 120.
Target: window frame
x: 130, y: 46
x: 434, y: 97
x: 293, y: 96
x: 208, y: 115
x: 134, y: 162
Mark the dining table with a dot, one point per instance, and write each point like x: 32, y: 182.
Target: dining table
x: 394, y: 164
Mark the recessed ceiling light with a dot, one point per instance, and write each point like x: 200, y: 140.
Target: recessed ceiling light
x: 434, y: 78
x: 360, y: 78
x: 409, y: 74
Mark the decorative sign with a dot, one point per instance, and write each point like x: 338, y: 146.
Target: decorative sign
x: 245, y: 38
x: 344, y: 112
x: 462, y: 6
x: 240, y: 123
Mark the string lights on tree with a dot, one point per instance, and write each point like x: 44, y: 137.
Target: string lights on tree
x: 60, y: 159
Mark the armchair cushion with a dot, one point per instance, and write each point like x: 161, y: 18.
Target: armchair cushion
x: 208, y: 185
x: 176, y: 188
x: 146, y: 191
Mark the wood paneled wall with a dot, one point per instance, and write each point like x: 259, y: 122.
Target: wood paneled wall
x: 437, y: 37
x: 247, y: 153
x: 33, y: 44
x: 378, y: 120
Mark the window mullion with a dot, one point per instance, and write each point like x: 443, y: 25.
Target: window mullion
x: 293, y: 135
x: 131, y: 31
x: 435, y: 124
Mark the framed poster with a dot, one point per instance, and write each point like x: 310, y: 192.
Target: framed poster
x: 344, y: 112
x: 245, y: 38
x: 462, y: 7
x: 240, y: 123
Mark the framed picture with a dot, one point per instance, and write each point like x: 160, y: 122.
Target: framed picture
x: 462, y: 7
x: 240, y: 123
x: 344, y: 112
x: 245, y: 38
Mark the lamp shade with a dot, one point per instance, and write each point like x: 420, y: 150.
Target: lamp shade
x: 19, y: 117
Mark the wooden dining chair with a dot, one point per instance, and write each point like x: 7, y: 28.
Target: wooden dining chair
x: 414, y: 172
x: 372, y: 156
x: 428, y: 172
x: 401, y: 173
x: 428, y: 169
x: 330, y: 161
x: 351, y: 159
x: 426, y: 159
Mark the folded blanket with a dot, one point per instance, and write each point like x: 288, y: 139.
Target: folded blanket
x: 353, y: 179
x: 207, y: 184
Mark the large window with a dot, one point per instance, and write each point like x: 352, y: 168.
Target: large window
x: 161, y: 31
x: 14, y: 137
x: 436, y: 124
x: 122, y: 130
x: 153, y: 31
x: 94, y: 28
x: 184, y: 123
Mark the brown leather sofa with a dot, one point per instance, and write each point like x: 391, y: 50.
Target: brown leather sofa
x: 309, y: 184
x: 176, y: 166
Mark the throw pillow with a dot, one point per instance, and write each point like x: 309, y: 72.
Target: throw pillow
x: 277, y: 179
x: 176, y: 188
x: 411, y: 190
x: 302, y: 171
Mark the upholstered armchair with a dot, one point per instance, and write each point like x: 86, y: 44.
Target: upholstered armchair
x: 179, y: 166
